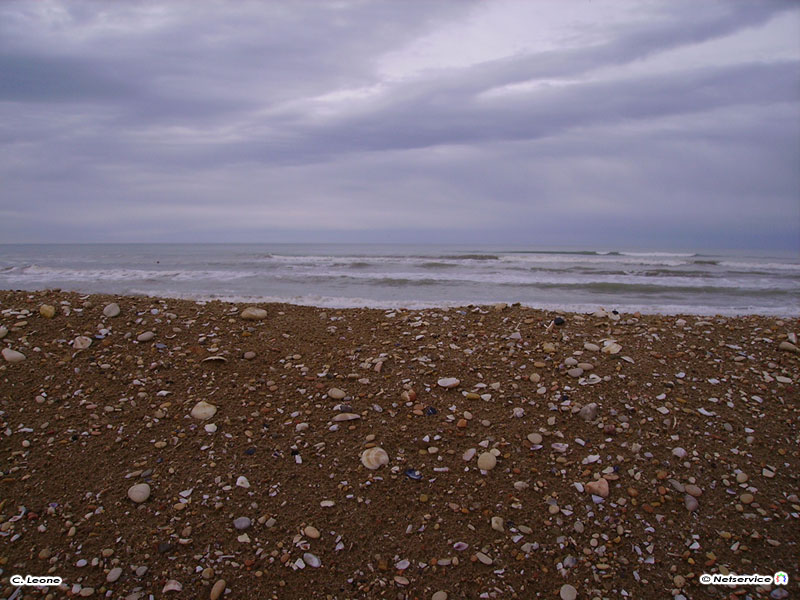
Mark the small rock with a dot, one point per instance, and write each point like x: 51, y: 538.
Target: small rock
x: 741, y: 477
x: 679, y: 452
x: 568, y: 592
x: 336, y: 394
x: 217, y: 590
x: 254, y: 314
x: 498, y: 523
x: 81, y: 342
x: 487, y: 461
x: 250, y: 355
x: 535, y: 438
x: 241, y: 523
x: 3, y: 331
x: 440, y: 595
x: 139, y: 492
x: 691, y: 503
x: 203, y: 410
x: 12, y: 356
x: 693, y: 490
x: 598, y: 487
x: 576, y: 372
x: 789, y: 347
x: 589, y: 412
x: 48, y: 311
x: 146, y: 336
x: 311, y: 532
x: 242, y: 482
x: 114, y: 574
x: 111, y: 310
x: 448, y: 382
x: 312, y: 560
x: 483, y: 558
x: 746, y: 498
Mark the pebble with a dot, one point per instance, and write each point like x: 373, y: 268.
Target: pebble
x: 81, y: 342
x: 598, y: 487
x: 250, y: 355
x: 483, y: 558
x: 741, y: 477
x: 48, y: 311
x: 217, y: 590
x: 145, y: 337
x: 591, y: 347
x: 576, y: 372
x: 568, y: 592
x: 242, y: 482
x: 203, y: 410
x: 693, y: 490
x: 114, y: 574
x: 139, y: 492
x: 12, y: 356
x: 3, y: 331
x: 746, y: 498
x: 311, y: 532
x: 440, y: 595
x: 374, y: 458
x: 254, y: 314
x: 448, y: 382
x: 789, y: 347
x: 312, y: 560
x: 691, y: 503
x: 535, y: 438
x: 336, y: 394
x: 241, y: 523
x: 111, y: 310
x: 210, y: 427
x: 589, y: 412
x: 679, y: 452
x: 487, y: 461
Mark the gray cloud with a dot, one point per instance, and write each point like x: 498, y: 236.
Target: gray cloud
x: 151, y: 121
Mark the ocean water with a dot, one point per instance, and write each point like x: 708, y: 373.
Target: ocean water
x: 415, y: 276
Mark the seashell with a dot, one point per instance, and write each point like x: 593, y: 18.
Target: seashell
x: 460, y: 546
x: 215, y: 359
x: 612, y: 348
x: 373, y: 458
x: 81, y: 342
x: 203, y: 410
x: 448, y: 382
x: 172, y: 586
x: 346, y: 417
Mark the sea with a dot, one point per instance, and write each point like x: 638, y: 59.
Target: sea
x: 420, y: 276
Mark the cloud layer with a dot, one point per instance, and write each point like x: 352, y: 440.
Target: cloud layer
x: 670, y: 123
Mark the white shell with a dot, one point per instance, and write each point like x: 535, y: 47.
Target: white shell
x: 373, y: 458
x: 203, y: 410
x: 172, y: 586
x: 449, y: 382
x: 215, y: 359
x: 346, y: 417
x: 81, y: 342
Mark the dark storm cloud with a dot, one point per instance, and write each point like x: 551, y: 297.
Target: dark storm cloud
x: 131, y: 121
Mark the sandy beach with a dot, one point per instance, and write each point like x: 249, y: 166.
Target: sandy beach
x: 193, y: 450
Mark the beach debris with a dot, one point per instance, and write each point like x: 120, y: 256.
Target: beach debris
x: 375, y: 457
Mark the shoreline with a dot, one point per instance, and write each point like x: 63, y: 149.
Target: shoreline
x: 521, y: 457
x: 348, y: 303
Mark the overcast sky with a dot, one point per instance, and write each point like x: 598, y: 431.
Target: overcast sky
x: 672, y: 123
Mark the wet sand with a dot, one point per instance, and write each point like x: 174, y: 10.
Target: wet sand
x: 632, y: 453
